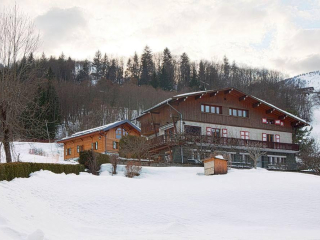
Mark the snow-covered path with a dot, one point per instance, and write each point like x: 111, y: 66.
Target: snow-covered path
x: 163, y: 203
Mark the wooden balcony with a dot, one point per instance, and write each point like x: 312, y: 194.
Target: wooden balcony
x: 174, y: 140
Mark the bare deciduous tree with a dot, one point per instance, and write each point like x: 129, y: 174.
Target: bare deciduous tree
x: 18, y: 40
x: 255, y: 151
x: 134, y: 146
x: 114, y: 160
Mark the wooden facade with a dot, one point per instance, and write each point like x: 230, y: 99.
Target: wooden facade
x: 103, y: 140
x: 225, y: 117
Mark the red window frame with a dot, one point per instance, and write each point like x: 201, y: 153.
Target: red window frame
x: 209, y: 131
x: 264, y: 120
x: 277, y: 122
x: 264, y: 137
x: 225, y: 132
x: 244, y: 135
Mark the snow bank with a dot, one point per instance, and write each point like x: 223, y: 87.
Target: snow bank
x: 162, y: 203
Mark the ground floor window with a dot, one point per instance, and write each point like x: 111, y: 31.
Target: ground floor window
x: 115, y: 145
x: 192, y: 130
x: 277, y: 160
x: 68, y: 151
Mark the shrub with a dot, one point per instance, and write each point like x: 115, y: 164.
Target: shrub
x: 93, y: 160
x: 9, y: 171
x: 133, y: 169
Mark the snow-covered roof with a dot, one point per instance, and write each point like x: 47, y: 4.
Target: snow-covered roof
x: 185, y: 95
x: 101, y: 128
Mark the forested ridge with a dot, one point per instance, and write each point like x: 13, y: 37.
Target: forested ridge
x: 85, y: 94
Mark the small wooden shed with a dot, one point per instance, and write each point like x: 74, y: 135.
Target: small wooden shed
x: 215, y: 165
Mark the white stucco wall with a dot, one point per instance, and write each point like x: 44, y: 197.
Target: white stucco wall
x: 234, y: 132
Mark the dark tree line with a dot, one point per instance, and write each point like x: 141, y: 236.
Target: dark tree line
x: 104, y: 90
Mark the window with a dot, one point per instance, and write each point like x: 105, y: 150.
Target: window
x: 211, y: 109
x: 216, y: 132
x: 68, y: 151
x: 79, y: 148
x: 96, y: 145
x: 238, y: 112
x: 244, y: 134
x: 268, y: 137
x: 192, y: 130
x: 115, y: 145
x: 277, y: 138
x: 272, y: 121
x: 118, y: 133
x: 224, y: 133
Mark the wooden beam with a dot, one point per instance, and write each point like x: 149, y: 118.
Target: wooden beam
x: 271, y: 110
x: 213, y: 94
x: 228, y: 91
x: 282, y: 117
x: 242, y: 98
x: 257, y: 104
x: 199, y: 96
x: 155, y: 112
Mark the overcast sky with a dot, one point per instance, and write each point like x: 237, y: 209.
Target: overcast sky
x: 277, y: 34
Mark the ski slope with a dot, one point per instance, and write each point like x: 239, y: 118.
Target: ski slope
x: 163, y: 203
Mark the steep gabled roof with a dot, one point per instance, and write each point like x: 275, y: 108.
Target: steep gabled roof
x: 202, y: 93
x: 100, y: 129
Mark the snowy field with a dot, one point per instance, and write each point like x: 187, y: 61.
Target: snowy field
x: 163, y: 203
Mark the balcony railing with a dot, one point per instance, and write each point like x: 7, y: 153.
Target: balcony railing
x: 181, y: 139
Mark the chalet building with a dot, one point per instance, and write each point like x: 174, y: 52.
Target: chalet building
x: 227, y: 119
x: 103, y: 139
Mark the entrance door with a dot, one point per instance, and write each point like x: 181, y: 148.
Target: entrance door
x: 270, y: 138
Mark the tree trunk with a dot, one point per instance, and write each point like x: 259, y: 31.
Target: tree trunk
x: 6, y: 136
x: 6, y: 146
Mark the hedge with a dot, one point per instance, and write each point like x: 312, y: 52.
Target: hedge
x: 9, y: 171
x: 85, y: 155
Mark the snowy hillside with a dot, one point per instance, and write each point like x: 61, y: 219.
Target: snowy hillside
x: 163, y: 203
x: 36, y: 152
x: 311, y: 79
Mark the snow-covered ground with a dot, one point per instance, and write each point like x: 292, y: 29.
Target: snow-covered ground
x: 163, y: 203
x: 51, y: 152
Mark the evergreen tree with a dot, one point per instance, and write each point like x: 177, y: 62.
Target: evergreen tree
x: 97, y: 64
x: 226, y: 70
x: 194, y: 84
x: 155, y: 81
x: 112, y: 73
x: 167, y: 71
x: 105, y: 66
x: 147, y: 67
x: 136, y: 66
x: 185, y: 70
x: 202, y: 75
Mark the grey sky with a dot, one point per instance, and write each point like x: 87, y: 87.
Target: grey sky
x: 277, y: 34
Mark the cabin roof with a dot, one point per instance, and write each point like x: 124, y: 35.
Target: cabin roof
x: 193, y: 94
x: 101, y: 129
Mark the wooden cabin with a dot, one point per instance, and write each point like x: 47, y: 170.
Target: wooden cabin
x: 103, y: 139
x: 227, y: 118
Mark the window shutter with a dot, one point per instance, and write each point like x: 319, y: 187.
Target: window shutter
x: 264, y: 137
x: 277, y: 138
x: 224, y: 133
x: 209, y: 131
x: 277, y: 122
x: 282, y: 123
